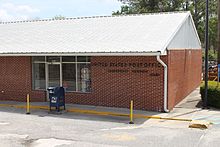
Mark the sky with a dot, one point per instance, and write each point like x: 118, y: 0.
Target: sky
x: 12, y: 10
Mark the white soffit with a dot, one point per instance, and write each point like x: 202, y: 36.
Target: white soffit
x: 133, y: 34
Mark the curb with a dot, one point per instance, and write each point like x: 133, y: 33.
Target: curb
x: 98, y: 112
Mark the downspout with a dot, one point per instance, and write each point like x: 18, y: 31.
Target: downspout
x: 165, y: 82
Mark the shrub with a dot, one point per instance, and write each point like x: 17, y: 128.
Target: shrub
x: 213, y: 93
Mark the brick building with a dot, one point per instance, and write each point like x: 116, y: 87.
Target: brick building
x: 152, y: 59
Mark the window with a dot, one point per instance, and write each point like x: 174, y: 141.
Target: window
x: 53, y: 59
x: 69, y: 59
x: 74, y: 72
x: 69, y: 76
x: 39, y: 81
x: 83, y: 74
x: 38, y: 59
x: 83, y: 77
x: 83, y: 59
x: 39, y: 78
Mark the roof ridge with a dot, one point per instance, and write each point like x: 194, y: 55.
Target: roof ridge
x: 89, y: 17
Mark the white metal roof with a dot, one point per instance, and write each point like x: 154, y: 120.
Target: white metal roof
x: 132, y: 34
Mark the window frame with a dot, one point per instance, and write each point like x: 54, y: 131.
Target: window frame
x: 32, y: 78
x: 61, y: 62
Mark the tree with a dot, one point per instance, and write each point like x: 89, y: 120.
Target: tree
x: 199, y: 19
x: 58, y: 17
x: 218, y: 31
x: 151, y: 6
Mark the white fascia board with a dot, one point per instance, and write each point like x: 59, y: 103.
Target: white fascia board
x: 85, y: 54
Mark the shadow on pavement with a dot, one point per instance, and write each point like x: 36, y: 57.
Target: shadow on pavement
x: 72, y: 115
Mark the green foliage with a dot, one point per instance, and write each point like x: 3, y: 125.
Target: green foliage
x: 59, y: 17
x: 213, y: 93
x: 212, y: 55
x: 150, y: 6
x: 213, y: 30
x: 200, y: 21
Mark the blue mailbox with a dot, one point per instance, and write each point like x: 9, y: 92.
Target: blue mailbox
x: 57, y: 97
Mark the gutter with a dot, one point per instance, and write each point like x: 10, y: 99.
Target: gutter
x: 165, y: 82
x: 81, y: 54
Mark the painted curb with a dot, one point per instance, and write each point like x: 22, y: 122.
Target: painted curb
x: 93, y: 112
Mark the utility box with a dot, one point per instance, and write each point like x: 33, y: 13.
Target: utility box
x: 57, y: 97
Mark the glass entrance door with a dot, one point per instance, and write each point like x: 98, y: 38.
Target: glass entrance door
x: 54, y: 75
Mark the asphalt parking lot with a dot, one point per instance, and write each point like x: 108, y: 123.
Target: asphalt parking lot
x: 42, y: 129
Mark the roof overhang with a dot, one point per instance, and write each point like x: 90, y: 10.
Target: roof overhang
x: 84, y: 54
x: 123, y: 35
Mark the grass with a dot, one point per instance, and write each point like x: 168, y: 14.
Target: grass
x: 213, y: 93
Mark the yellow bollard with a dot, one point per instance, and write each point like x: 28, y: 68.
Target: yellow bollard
x: 28, y: 104
x: 131, y: 113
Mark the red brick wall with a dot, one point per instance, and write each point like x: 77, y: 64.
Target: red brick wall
x: 184, y: 74
x: 109, y: 88
x: 15, y: 79
x: 118, y: 89
x: 112, y: 85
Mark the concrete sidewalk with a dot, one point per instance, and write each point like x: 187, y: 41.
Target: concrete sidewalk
x: 191, y: 108
x: 87, y: 109
x: 187, y: 110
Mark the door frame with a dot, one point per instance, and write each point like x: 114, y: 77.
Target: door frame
x: 47, y: 75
